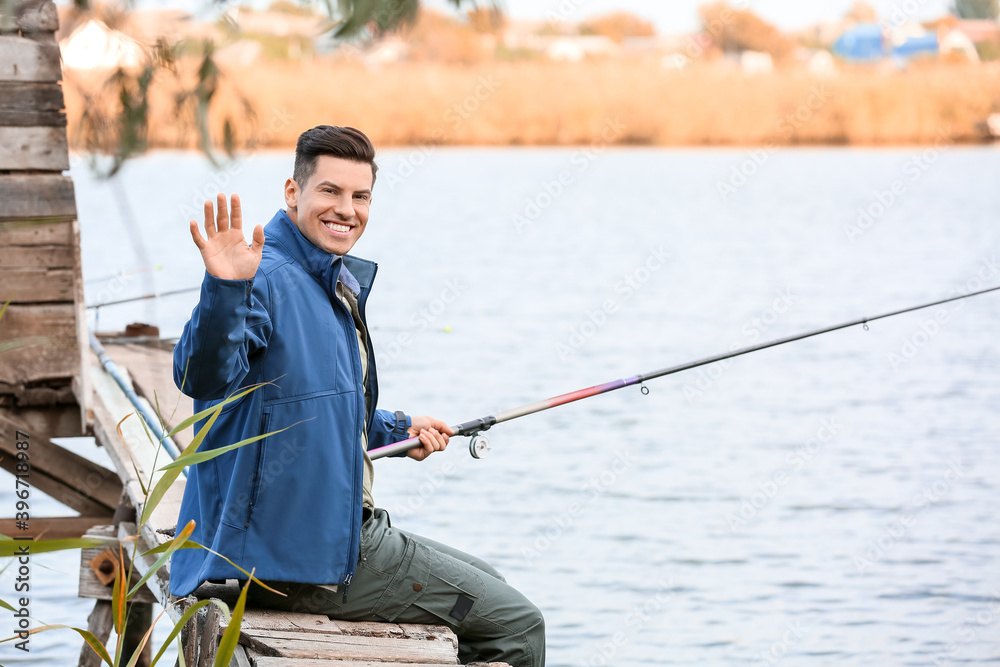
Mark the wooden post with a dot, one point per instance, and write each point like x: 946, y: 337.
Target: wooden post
x: 44, y: 327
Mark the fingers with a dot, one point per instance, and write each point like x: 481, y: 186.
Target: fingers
x: 258, y: 240
x: 209, y: 220
x: 433, y: 440
x: 237, y: 212
x: 196, y: 235
x: 222, y: 219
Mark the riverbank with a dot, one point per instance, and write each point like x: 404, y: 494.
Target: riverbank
x: 542, y: 103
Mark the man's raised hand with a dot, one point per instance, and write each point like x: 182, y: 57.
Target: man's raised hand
x: 226, y: 253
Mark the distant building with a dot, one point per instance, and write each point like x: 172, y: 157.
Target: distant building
x: 756, y: 62
x: 577, y: 47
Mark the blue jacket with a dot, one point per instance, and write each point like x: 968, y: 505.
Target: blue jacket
x: 288, y: 505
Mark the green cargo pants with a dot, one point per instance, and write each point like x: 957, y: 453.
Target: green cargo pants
x: 406, y: 578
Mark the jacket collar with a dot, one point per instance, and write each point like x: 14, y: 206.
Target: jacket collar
x: 324, y: 266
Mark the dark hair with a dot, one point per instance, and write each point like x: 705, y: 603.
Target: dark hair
x: 342, y: 142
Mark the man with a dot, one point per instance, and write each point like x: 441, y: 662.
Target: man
x: 289, y: 311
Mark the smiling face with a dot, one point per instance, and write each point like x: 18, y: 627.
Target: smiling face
x: 331, y: 208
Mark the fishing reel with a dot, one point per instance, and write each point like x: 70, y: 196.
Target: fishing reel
x: 479, y: 446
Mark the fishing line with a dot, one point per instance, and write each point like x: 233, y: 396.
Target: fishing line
x: 479, y: 446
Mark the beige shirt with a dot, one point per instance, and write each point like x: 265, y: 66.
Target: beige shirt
x: 351, y: 301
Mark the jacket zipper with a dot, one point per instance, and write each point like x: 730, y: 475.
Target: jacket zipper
x: 265, y: 420
x: 354, y: 456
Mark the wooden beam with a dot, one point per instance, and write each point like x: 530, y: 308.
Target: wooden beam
x: 37, y: 272
x: 140, y: 618
x: 152, y: 373
x: 28, y: 96
x: 40, y: 343
x: 58, y: 490
x: 55, y: 392
x: 30, y: 16
x: 28, y: 200
x: 209, y: 636
x: 332, y: 662
x: 88, y: 479
x: 89, y: 585
x: 349, y: 647
x: 159, y: 583
x: 28, y: 103
x: 41, y: 148
x: 81, y: 377
x: 100, y: 622
x: 38, y: 283
x: 59, y: 421
x: 24, y: 59
x: 54, y: 528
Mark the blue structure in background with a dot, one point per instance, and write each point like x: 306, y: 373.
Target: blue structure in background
x: 863, y: 43
x: 916, y: 46
x: 866, y: 43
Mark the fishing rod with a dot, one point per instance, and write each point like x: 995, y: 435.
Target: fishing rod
x: 479, y: 446
x: 123, y: 274
x: 154, y: 295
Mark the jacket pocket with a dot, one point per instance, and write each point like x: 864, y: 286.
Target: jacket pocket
x: 258, y: 472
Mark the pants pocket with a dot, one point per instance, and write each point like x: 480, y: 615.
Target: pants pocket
x: 439, y: 589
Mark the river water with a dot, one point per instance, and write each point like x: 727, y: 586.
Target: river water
x: 828, y: 502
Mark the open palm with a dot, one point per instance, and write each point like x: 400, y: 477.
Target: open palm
x: 225, y: 252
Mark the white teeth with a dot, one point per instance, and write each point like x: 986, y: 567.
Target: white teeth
x: 337, y: 228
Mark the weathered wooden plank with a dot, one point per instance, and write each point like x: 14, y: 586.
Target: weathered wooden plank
x: 37, y: 284
x: 88, y: 479
x: 240, y: 658
x: 326, y: 646
x: 297, y: 662
x: 288, y: 621
x: 89, y: 585
x: 42, y: 148
x: 56, y: 392
x: 25, y: 96
x: 140, y: 618
x: 151, y: 369
x: 13, y: 258
x: 69, y: 478
x: 159, y: 583
x: 109, y: 406
x: 61, y: 421
x: 30, y: 16
x: 100, y: 622
x: 54, y: 528
x: 24, y: 59
x: 209, y: 636
x: 60, y: 491
x: 284, y: 621
x: 32, y: 118
x: 81, y: 378
x: 26, y: 199
x: 39, y: 342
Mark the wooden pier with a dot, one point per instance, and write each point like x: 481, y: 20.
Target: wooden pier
x: 52, y: 385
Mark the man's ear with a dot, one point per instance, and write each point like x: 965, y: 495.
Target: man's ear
x: 291, y: 193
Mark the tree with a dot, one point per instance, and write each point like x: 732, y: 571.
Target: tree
x: 976, y: 9
x: 742, y: 30
x: 617, y: 26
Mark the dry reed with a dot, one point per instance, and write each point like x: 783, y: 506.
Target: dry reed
x: 544, y: 103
